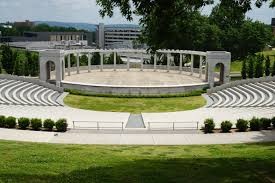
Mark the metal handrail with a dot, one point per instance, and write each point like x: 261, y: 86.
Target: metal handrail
x: 173, y: 124
x: 98, y: 125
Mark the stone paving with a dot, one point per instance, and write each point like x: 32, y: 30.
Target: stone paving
x: 137, y: 139
x: 198, y: 115
x: 134, y: 78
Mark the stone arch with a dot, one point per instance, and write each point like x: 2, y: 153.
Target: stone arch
x: 221, y: 58
x: 220, y: 66
x: 51, y: 56
x: 50, y: 68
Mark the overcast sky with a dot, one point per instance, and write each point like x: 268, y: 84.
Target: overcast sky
x: 82, y: 11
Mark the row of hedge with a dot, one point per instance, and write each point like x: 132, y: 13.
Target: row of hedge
x: 33, y: 124
x: 255, y: 124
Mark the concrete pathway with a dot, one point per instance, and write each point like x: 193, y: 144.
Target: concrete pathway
x: 116, y: 119
x: 136, y: 139
x: 135, y: 121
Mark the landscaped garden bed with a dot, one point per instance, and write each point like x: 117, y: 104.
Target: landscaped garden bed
x: 33, y: 124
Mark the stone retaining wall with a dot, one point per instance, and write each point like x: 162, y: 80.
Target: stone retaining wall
x: 133, y: 90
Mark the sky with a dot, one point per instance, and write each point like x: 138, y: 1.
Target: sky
x: 85, y: 11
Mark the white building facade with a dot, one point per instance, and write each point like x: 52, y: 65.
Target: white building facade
x: 117, y: 36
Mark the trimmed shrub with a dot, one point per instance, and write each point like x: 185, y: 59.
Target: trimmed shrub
x: 10, y: 122
x: 48, y: 124
x: 255, y: 124
x: 226, y: 126
x: 266, y: 123
x: 23, y: 123
x: 242, y: 125
x: 36, y: 124
x: 273, y: 119
x: 61, y: 125
x: 209, y: 126
x: 2, y: 121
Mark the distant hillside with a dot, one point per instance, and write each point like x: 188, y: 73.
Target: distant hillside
x: 84, y: 26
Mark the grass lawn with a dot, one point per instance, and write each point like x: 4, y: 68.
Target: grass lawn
x: 54, y: 163
x: 236, y: 66
x: 135, y: 105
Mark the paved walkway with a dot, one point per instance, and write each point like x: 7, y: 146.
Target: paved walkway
x: 198, y: 115
x: 137, y: 139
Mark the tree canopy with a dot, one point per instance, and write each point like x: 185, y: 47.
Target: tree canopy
x: 178, y: 24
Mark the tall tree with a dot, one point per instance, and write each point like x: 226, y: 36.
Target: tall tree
x: 34, y: 69
x: 244, y: 69
x: 251, y: 61
x: 7, y: 58
x: 20, y: 64
x: 28, y: 63
x: 267, y: 66
x: 259, y: 70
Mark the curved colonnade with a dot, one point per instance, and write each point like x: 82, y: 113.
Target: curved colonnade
x: 207, y: 62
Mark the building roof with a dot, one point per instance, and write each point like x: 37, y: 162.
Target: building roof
x: 55, y: 33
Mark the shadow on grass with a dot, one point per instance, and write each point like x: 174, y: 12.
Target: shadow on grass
x: 213, y: 170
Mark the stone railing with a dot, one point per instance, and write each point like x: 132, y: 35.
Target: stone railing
x: 31, y: 80
x: 241, y: 82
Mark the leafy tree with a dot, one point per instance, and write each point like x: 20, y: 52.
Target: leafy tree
x: 244, y: 69
x: 251, y: 60
x: 95, y: 59
x: 83, y: 60
x: 28, y: 63
x: 7, y: 58
x: 20, y: 64
x: 259, y: 70
x: 267, y: 66
x: 239, y: 36
x: 111, y: 59
x: 34, y: 65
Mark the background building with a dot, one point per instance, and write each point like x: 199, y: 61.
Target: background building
x: 117, y: 36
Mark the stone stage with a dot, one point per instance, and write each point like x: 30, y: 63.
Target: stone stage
x: 134, y: 81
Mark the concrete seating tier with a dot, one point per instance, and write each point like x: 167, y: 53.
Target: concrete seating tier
x: 17, y: 92
x: 260, y: 94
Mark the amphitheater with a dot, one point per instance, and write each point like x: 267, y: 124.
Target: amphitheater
x: 27, y: 97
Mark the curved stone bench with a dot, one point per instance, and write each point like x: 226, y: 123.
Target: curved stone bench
x: 254, y: 94
x: 22, y: 92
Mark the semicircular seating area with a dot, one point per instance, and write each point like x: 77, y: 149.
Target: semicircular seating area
x: 259, y: 94
x: 17, y: 92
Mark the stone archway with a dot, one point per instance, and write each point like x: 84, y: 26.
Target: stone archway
x: 50, y: 68
x: 49, y: 58
x: 220, y: 67
x: 222, y: 59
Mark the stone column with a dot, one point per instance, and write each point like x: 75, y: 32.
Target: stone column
x: 77, y: 63
x: 155, y: 62
x: 181, y: 58
x: 69, y: 64
x: 200, y: 66
x: 128, y: 63
x: 168, y: 61
x: 192, y: 64
x: 89, y: 62
x: 141, y: 63
x: 101, y: 61
x: 63, y: 68
x: 115, y: 61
